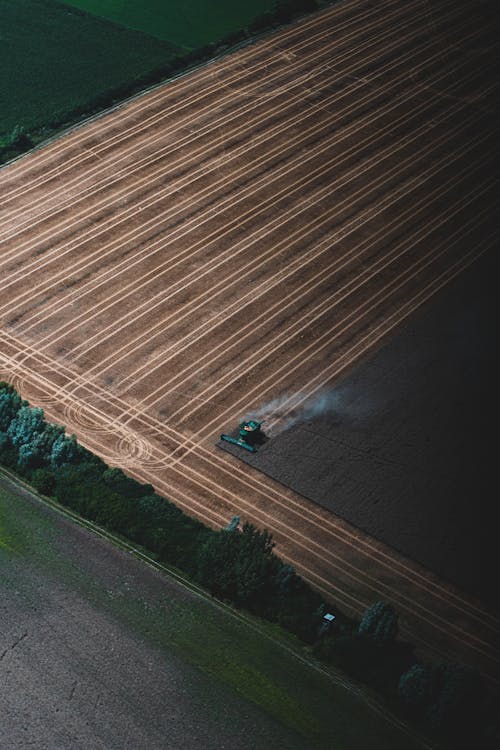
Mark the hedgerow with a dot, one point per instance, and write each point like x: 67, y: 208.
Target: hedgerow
x: 237, y: 566
x: 241, y: 567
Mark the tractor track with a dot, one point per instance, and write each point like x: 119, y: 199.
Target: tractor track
x: 142, y: 263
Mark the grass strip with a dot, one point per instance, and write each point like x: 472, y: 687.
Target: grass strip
x: 256, y: 660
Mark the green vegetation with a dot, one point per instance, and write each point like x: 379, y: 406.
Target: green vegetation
x: 187, y: 23
x: 379, y: 623
x: 450, y: 698
x: 57, y: 62
x: 256, y: 661
x: 61, y: 63
x: 240, y: 567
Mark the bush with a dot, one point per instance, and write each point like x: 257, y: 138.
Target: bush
x: 239, y: 566
x: 379, y: 622
x: 26, y: 424
x: 44, y: 481
x: 415, y: 688
x: 10, y: 403
x: 295, y: 605
x: 163, y: 528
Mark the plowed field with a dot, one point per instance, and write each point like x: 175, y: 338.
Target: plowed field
x: 250, y: 230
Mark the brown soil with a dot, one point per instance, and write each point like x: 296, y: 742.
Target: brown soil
x: 408, y: 463
x: 250, y: 230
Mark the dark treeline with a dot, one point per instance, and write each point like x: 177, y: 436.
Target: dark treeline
x: 450, y: 702
x: 19, y: 141
x: 239, y: 566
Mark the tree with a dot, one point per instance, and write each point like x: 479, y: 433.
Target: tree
x: 10, y: 403
x: 26, y: 425
x: 43, y: 442
x: 38, y: 451
x: 415, y: 688
x: 379, y: 622
x: 28, y: 456
x: 64, y: 450
x: 239, y: 566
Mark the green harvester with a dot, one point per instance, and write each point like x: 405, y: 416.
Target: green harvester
x: 250, y: 435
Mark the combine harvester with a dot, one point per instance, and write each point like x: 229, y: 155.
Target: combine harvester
x: 250, y: 435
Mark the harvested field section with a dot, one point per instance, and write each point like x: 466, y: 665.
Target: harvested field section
x: 250, y: 230
x: 413, y: 464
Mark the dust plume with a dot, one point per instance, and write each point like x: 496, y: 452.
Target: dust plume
x: 288, y: 410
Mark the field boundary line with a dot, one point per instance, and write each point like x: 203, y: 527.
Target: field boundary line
x: 187, y: 77
x: 216, y: 87
x: 17, y: 251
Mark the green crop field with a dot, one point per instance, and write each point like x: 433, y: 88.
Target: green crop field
x: 57, y: 60
x: 187, y: 23
x: 64, y: 61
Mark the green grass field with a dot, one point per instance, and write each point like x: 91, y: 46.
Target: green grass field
x: 253, y: 660
x: 187, y: 23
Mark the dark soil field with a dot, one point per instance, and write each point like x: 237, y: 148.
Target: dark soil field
x: 406, y: 447
x: 249, y: 231
x: 100, y: 651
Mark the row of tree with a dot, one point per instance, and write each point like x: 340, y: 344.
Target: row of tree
x: 238, y: 565
x: 449, y: 701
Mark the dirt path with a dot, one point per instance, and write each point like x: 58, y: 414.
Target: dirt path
x: 250, y: 230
